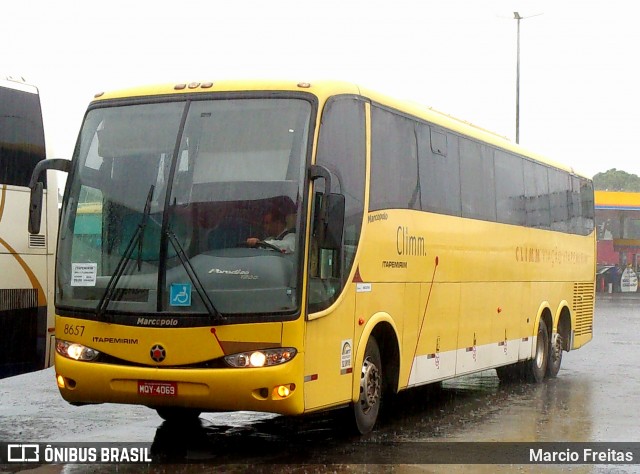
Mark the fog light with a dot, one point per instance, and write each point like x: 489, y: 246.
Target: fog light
x: 60, y: 380
x: 283, y: 391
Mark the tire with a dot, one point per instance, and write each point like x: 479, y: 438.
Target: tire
x: 367, y: 408
x: 178, y: 415
x: 555, y: 356
x: 536, y: 368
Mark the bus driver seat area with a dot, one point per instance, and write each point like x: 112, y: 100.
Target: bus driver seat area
x: 237, y: 222
x: 230, y: 232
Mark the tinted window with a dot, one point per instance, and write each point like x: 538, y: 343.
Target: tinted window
x: 536, y: 186
x: 21, y: 136
x: 341, y: 149
x: 586, y: 198
x: 459, y: 176
x: 509, y: 188
x: 394, y: 163
x: 477, y: 181
x: 439, y: 172
x: 575, y: 206
x: 559, y: 196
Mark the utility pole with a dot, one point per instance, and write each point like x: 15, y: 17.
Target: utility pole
x: 517, y: 17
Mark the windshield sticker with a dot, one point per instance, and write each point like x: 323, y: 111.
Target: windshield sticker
x: 180, y: 294
x: 84, y: 274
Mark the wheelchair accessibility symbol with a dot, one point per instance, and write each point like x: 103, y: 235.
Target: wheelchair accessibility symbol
x: 180, y: 294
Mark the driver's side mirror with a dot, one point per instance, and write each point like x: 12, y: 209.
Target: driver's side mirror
x: 35, y: 208
x: 35, y: 202
x: 329, y: 211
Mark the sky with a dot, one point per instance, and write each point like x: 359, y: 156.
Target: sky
x: 579, y: 74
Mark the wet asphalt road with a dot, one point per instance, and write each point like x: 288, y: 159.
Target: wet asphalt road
x: 594, y: 398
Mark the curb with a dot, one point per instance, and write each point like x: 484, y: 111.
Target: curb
x: 617, y: 296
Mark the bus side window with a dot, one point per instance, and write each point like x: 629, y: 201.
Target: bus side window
x: 341, y: 149
x: 439, y: 168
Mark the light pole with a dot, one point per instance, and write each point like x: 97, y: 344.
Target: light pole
x: 517, y: 17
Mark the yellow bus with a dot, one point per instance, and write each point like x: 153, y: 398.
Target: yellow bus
x: 420, y: 248
x: 26, y: 261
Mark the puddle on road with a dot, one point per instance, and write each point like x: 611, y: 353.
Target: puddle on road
x: 476, y: 408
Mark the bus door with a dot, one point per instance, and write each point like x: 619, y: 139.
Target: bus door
x: 331, y: 293
x: 329, y: 354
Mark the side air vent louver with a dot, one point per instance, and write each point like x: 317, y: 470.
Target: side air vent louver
x: 37, y: 241
x: 583, y: 307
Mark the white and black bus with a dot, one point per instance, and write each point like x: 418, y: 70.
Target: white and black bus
x: 26, y: 261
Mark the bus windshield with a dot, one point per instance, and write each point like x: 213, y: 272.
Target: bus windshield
x: 186, y: 207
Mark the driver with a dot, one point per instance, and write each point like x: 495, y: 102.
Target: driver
x: 282, y: 235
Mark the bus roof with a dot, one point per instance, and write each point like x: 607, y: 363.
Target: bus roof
x: 323, y: 90
x: 17, y: 83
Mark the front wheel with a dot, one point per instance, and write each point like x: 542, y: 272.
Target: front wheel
x: 536, y: 368
x: 367, y: 407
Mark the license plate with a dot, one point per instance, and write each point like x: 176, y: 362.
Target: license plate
x: 157, y: 389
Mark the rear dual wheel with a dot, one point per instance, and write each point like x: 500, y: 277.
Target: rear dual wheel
x: 546, y: 361
x: 555, y: 356
x: 536, y: 368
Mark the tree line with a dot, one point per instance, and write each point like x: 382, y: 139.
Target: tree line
x: 616, y: 180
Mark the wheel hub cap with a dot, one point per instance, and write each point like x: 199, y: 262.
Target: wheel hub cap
x: 369, y: 385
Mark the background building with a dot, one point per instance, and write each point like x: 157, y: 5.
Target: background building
x: 618, y: 226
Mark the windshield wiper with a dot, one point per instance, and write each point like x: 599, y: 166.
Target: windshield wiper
x: 193, y: 276
x: 137, y: 237
x: 143, y: 225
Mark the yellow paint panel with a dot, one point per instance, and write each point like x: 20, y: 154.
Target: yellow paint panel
x: 617, y: 199
x: 182, y: 345
x: 437, y: 326
x: 329, y: 368
x: 261, y: 332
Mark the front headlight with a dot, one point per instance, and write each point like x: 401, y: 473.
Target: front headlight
x: 75, y: 351
x: 261, y: 358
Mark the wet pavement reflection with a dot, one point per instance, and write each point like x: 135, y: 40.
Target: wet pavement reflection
x: 592, y: 399
x: 476, y: 408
